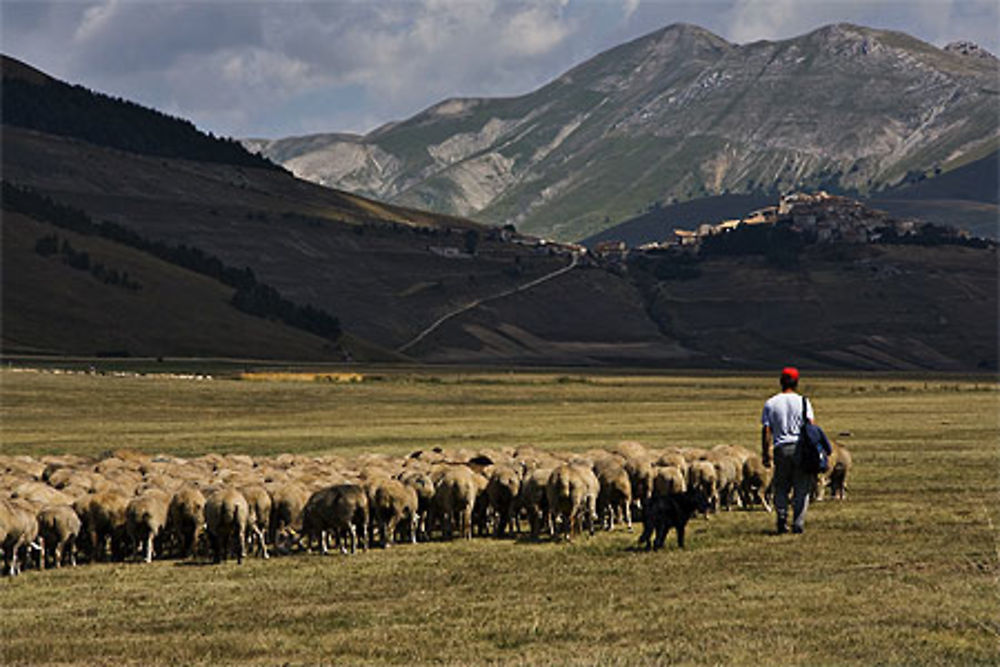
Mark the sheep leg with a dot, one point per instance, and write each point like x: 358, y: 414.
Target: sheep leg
x: 257, y: 537
x: 389, y: 532
x: 96, y: 554
x: 324, y: 540
x: 680, y: 535
x: 241, y: 545
x: 763, y: 501
x: 148, y: 555
x: 628, y: 517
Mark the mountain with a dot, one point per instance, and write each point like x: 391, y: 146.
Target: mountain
x: 112, y: 248
x: 679, y: 114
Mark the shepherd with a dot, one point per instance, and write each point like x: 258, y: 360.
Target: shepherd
x: 785, y: 414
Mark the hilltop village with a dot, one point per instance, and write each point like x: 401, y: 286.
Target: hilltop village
x: 812, y: 218
x: 818, y: 217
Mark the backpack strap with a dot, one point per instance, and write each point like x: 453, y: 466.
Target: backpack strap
x: 805, y: 413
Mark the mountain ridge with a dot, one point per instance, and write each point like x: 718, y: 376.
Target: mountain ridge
x: 388, y: 273
x: 677, y: 115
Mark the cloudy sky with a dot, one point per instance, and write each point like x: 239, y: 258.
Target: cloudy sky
x: 284, y: 67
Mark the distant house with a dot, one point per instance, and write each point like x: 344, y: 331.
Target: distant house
x: 684, y: 237
x: 609, y: 247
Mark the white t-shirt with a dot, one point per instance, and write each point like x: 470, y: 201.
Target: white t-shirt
x: 783, y: 413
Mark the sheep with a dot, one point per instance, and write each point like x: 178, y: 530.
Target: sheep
x: 728, y: 475
x: 673, y: 458
x: 145, y: 517
x: 287, y: 504
x: 533, y: 499
x: 395, y: 502
x: 186, y: 517
x: 756, y: 486
x: 481, y: 505
x: 502, y: 490
x: 339, y: 508
x: 455, y: 492
x: 640, y: 475
x: 668, y: 480
x: 692, y: 454
x: 59, y: 526
x: 18, y: 530
x: 836, y: 476
x: 703, y: 477
x: 39, y: 493
x: 260, y: 503
x: 104, y: 519
x: 422, y: 484
x: 572, y: 492
x: 227, y: 515
x: 615, y: 495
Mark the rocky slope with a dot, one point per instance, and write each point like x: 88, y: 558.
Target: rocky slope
x: 678, y: 114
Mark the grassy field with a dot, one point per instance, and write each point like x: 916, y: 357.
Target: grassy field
x: 905, y: 571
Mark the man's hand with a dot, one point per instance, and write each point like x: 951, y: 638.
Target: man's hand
x: 766, y: 460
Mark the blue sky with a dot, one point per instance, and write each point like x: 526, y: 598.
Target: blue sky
x: 284, y: 67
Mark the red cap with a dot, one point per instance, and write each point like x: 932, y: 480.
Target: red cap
x: 790, y: 372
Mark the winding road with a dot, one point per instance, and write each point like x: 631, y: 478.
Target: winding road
x: 478, y: 302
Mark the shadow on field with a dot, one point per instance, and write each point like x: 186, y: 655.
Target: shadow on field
x: 195, y: 563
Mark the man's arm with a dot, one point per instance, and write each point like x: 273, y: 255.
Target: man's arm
x: 765, y: 446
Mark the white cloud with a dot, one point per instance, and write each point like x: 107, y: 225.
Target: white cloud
x: 534, y: 32
x: 268, y: 68
x: 629, y: 7
x: 95, y: 20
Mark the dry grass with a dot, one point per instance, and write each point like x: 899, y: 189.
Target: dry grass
x: 906, y: 571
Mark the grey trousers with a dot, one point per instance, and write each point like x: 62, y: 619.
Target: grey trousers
x: 788, y: 477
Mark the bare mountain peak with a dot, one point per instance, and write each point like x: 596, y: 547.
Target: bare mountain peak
x: 684, y: 37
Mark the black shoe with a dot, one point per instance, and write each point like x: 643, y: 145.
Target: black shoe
x: 782, y: 529
x: 798, y: 530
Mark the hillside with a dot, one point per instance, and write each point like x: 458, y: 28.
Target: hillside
x: 965, y: 197
x: 679, y: 114
x: 50, y: 307
x: 384, y: 271
x: 862, y: 306
x: 387, y: 273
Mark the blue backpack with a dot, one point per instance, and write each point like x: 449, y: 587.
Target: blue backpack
x: 813, y: 447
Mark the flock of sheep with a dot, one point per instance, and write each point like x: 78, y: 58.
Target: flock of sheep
x: 131, y: 506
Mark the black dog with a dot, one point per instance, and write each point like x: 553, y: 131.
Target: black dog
x: 666, y: 512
